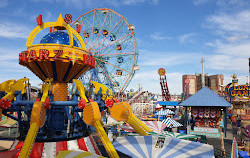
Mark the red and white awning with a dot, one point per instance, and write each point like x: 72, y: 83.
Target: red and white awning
x: 50, y: 149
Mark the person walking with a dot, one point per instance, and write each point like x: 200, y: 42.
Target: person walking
x: 238, y: 124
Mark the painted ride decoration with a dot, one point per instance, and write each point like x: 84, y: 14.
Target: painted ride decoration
x: 60, y: 58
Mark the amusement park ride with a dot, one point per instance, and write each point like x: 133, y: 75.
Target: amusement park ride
x: 164, y: 85
x: 110, y: 39
x: 60, y: 58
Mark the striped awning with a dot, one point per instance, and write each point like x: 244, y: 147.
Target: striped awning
x: 51, y: 149
x: 156, y: 126
x: 8, y: 123
x: 171, y: 123
x: 152, y: 147
x: 166, y: 133
x: 164, y: 112
x: 179, y: 135
x: 127, y: 128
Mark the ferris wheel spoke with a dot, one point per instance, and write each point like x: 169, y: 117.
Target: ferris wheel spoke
x: 112, y: 43
x: 107, y: 75
x: 100, y: 31
x: 84, y: 33
x: 129, y: 78
x: 93, y: 25
x: 108, y: 34
x: 86, y: 29
x: 113, y: 65
x: 133, y: 64
x: 115, y: 54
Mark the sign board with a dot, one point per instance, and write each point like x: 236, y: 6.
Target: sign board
x: 215, y: 135
x: 161, y: 71
x: 209, y: 132
x: 187, y: 81
x: 239, y: 90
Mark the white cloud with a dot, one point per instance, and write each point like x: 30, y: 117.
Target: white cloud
x: 3, y: 3
x: 100, y: 3
x: 168, y: 58
x: 46, y: 15
x: 158, y: 36
x: 155, y: 1
x: 199, y: 2
x: 232, y: 46
x: 10, y: 68
x: 230, y: 57
x: 151, y: 80
x: 227, y: 63
x: 13, y: 30
x: 132, y: 2
x: 241, y: 79
x: 231, y: 3
x: 237, y: 38
x: 187, y: 38
x: 8, y: 54
x: 239, y: 49
x: 231, y: 23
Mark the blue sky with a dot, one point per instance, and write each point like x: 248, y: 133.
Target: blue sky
x: 172, y: 34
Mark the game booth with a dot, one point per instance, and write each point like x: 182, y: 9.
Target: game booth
x: 208, y: 114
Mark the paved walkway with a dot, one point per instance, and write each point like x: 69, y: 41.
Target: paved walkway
x: 216, y: 142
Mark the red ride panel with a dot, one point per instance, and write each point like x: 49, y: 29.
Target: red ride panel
x: 18, y: 147
x: 37, y: 150
x: 82, y: 145
x: 61, y: 146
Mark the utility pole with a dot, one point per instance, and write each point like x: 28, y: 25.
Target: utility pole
x: 202, y: 73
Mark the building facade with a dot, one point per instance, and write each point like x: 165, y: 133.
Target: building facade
x: 213, y: 82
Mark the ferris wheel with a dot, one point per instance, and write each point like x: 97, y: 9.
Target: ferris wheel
x: 110, y: 39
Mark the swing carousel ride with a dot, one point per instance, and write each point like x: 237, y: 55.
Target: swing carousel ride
x: 100, y: 44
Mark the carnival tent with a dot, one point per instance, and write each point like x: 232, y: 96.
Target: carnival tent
x: 164, y: 112
x: 170, y: 123
x: 205, y: 97
x: 147, y: 147
x: 156, y: 126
